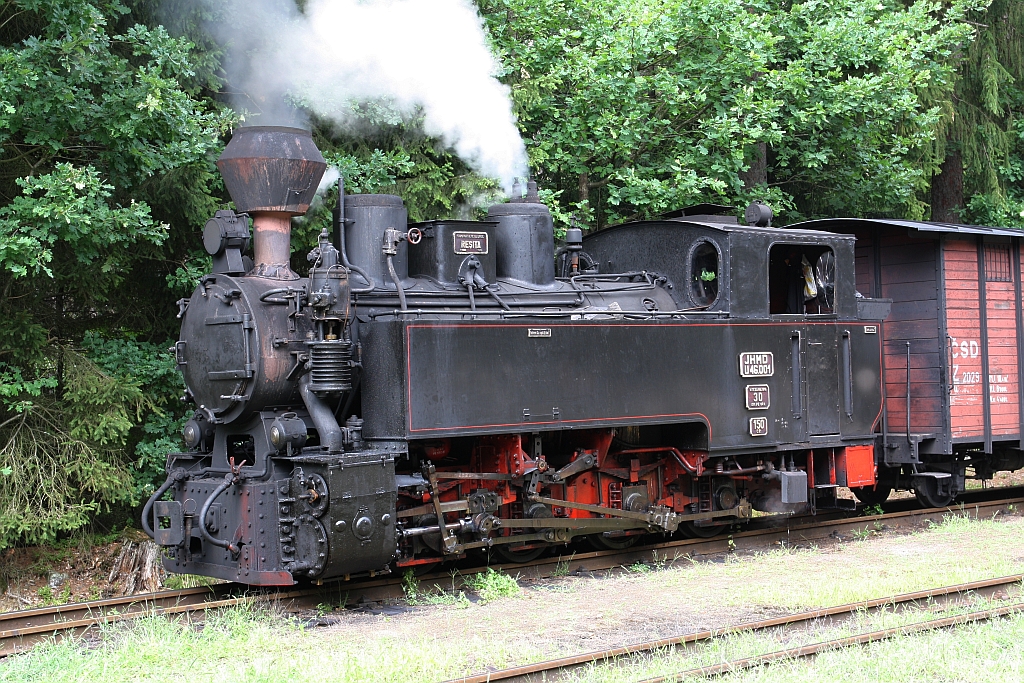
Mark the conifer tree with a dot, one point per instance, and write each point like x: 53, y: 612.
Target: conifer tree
x: 979, y: 138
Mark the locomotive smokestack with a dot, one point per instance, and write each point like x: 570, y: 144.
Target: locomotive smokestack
x: 272, y: 174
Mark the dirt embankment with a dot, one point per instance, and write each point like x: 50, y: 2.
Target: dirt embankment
x: 74, y: 570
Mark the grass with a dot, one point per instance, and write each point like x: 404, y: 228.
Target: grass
x: 493, y: 585
x: 256, y: 644
x: 239, y: 644
x: 49, y: 597
x: 916, y: 657
x: 247, y: 643
x: 906, y: 564
x: 181, y: 581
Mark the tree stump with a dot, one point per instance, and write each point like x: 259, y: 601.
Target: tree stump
x: 137, y: 569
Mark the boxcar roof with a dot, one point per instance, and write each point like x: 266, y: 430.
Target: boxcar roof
x: 830, y: 224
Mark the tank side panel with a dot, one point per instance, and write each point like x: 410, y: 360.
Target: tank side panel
x: 383, y: 380
x: 963, y: 325
x: 501, y: 377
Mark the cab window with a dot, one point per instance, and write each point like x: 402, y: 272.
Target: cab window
x: 801, y: 279
x: 704, y: 273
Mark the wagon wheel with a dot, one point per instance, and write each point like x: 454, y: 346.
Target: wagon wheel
x: 928, y: 495
x: 879, y: 493
x: 873, y: 495
x: 825, y: 274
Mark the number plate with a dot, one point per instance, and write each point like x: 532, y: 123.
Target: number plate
x: 470, y: 242
x: 758, y: 397
x: 757, y: 364
x: 759, y: 426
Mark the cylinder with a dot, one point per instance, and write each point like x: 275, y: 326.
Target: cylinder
x: 524, y: 243
x: 370, y: 215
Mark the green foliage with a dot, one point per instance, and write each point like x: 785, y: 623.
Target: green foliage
x: 873, y: 510
x: 72, y: 90
x: 106, y: 149
x: 148, y: 369
x: 61, y: 460
x: 70, y: 206
x: 654, y: 104
x: 982, y: 121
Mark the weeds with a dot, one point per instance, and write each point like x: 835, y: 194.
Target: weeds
x: 562, y: 568
x: 410, y: 586
x: 416, y: 595
x: 492, y: 585
x: 50, y: 598
x: 873, y: 510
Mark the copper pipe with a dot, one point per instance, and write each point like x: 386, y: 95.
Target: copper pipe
x: 272, y: 237
x: 696, y: 469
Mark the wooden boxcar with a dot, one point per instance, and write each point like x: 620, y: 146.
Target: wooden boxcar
x: 957, y: 323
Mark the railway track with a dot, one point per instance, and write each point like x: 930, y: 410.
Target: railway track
x: 551, y: 669
x: 22, y: 629
x: 859, y: 639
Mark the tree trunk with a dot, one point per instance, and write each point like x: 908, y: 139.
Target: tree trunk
x: 584, y: 186
x: 757, y: 174
x: 948, y: 189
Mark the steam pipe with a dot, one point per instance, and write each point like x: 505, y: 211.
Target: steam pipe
x: 743, y: 470
x: 497, y: 298
x: 398, y: 284
x: 696, y: 469
x: 323, y: 418
x: 340, y: 231
x: 229, y: 479
x: 146, y: 511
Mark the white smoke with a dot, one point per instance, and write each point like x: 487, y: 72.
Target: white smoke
x: 423, y: 58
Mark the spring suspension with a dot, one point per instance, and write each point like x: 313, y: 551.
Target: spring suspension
x: 330, y: 366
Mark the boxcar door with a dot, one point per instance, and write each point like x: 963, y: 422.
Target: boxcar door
x: 821, y: 354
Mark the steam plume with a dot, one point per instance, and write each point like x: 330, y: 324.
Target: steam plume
x: 421, y: 58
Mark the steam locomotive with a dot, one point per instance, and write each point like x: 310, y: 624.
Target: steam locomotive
x: 445, y: 387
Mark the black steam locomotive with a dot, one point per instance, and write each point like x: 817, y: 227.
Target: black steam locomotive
x: 436, y: 388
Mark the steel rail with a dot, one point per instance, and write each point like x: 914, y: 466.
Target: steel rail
x: 21, y: 629
x: 563, y: 664
x: 859, y: 639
